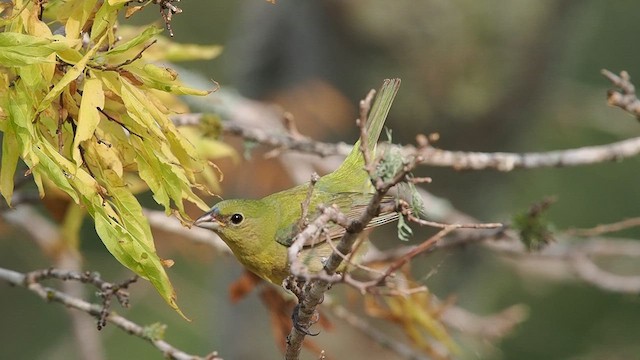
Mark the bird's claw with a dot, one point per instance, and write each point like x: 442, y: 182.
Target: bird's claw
x: 301, y: 328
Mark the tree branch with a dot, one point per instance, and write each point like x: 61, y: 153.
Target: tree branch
x: 431, y: 156
x: 30, y: 281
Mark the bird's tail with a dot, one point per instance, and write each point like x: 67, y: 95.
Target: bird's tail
x: 351, y: 171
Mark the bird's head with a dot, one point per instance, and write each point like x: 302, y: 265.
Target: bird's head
x: 238, y: 222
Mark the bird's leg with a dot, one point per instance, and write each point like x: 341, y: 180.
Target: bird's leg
x: 296, y: 285
x: 303, y: 328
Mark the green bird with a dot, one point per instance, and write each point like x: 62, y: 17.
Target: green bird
x: 258, y: 232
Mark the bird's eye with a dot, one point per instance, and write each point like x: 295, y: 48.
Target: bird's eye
x: 236, y: 219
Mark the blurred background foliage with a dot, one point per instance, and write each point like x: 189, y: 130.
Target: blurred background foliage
x: 516, y: 76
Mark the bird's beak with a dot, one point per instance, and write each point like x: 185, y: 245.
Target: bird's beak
x: 209, y: 221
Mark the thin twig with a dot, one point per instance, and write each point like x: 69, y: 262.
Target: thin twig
x: 626, y: 98
x: 30, y: 282
x: 605, y: 228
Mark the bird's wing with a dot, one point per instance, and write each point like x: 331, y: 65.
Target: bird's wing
x: 354, y: 205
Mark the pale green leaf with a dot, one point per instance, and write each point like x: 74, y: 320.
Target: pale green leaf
x: 52, y: 171
x: 104, y: 20
x: 12, y: 39
x: 135, y: 256
x: 186, y: 52
x: 147, y: 34
x: 10, y: 155
x: 128, y: 208
x: 164, y: 79
x: 21, y: 114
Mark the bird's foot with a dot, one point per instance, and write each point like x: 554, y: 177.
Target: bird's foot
x: 299, y: 326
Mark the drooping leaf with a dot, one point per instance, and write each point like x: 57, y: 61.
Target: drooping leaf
x: 134, y: 256
x: 79, y: 13
x: 89, y: 116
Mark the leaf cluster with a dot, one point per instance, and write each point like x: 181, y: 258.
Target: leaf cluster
x: 88, y: 114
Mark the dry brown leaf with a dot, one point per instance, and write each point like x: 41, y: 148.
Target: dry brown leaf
x: 243, y: 286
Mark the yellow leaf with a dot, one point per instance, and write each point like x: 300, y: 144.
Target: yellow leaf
x: 89, y: 116
x: 117, y: 142
x: 78, y: 15
x: 116, y: 2
x: 33, y: 24
x: 167, y: 50
x: 38, y: 28
x: 71, y: 224
x: 107, y: 156
x: 71, y: 75
x: 184, y: 52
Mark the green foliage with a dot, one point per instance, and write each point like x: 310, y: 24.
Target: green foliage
x: 534, y: 228
x: 87, y: 113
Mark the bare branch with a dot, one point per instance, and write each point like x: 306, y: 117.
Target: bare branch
x: 30, y: 282
x: 501, y: 161
x: 588, y: 271
x: 605, y: 228
x: 458, y: 160
x: 491, y: 327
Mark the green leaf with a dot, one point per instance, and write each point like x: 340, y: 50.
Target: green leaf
x: 138, y: 107
x: 21, y: 49
x: 164, y: 79
x: 10, y: 156
x: 21, y: 115
x: 135, y: 256
x: 51, y: 170
x: 104, y: 20
x: 535, y: 230
x: 157, y: 174
x: 147, y: 34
